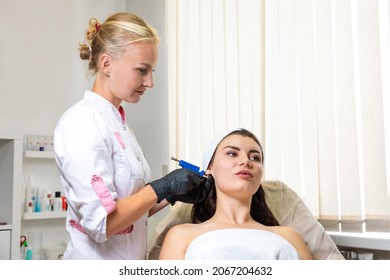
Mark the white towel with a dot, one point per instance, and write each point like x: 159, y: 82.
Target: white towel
x: 240, y: 244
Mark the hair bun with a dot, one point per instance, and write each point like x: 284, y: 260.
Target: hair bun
x: 85, y: 51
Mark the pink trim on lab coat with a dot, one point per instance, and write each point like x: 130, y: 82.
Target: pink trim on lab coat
x: 123, y: 113
x: 120, y: 140
x: 103, y: 193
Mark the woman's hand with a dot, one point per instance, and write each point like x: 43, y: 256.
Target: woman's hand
x: 196, y: 195
x: 177, y: 182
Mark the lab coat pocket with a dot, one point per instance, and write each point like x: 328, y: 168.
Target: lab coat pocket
x: 130, y: 166
x: 131, y: 184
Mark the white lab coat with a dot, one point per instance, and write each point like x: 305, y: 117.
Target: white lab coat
x: 99, y: 160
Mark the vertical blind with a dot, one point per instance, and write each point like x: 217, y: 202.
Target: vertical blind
x: 311, y: 78
x: 215, y: 71
x: 327, y: 125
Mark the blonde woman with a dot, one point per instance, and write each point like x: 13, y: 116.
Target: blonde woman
x: 103, y: 172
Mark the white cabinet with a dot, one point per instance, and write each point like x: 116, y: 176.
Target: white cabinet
x: 11, y: 153
x: 14, y: 223
x: 5, y: 243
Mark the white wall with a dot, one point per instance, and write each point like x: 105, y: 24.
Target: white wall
x: 41, y: 74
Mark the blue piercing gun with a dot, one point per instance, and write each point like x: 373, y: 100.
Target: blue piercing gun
x: 189, y: 166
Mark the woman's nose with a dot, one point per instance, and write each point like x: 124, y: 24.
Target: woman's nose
x: 148, y: 82
x: 245, y: 161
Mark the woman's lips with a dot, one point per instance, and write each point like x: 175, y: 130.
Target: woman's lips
x: 244, y: 174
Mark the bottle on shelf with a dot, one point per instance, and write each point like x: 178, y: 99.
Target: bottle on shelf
x: 37, y: 201
x: 29, y: 253
x: 30, y: 194
x: 23, y: 248
x: 45, y: 201
x: 64, y: 204
x: 57, y: 203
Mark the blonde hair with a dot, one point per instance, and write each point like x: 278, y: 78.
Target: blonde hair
x: 114, y: 36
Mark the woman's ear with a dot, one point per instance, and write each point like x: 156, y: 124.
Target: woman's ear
x: 105, y: 64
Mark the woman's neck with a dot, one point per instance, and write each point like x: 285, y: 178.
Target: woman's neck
x: 231, y: 211
x: 100, y: 88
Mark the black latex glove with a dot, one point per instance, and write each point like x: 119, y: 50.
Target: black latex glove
x: 196, y: 195
x: 177, y: 182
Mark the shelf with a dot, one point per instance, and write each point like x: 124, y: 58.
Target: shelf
x: 368, y: 240
x: 39, y: 154
x: 44, y: 215
x: 5, y: 227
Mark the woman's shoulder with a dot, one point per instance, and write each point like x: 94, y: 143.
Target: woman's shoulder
x: 187, y: 232
x: 78, y: 113
x: 177, y: 240
x: 294, y: 238
x: 186, y: 229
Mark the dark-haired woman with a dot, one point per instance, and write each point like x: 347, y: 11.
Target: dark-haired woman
x: 234, y: 221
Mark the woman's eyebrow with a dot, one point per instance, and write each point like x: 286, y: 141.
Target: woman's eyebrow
x: 145, y: 65
x: 238, y: 149
x: 231, y: 147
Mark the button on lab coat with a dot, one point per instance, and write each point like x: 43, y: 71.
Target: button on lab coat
x: 99, y: 161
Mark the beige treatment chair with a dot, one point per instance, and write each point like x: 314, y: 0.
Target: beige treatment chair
x: 287, y: 207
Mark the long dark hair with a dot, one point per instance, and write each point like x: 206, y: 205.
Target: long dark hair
x: 259, y: 209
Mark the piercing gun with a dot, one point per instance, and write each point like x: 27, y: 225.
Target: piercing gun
x: 189, y: 166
